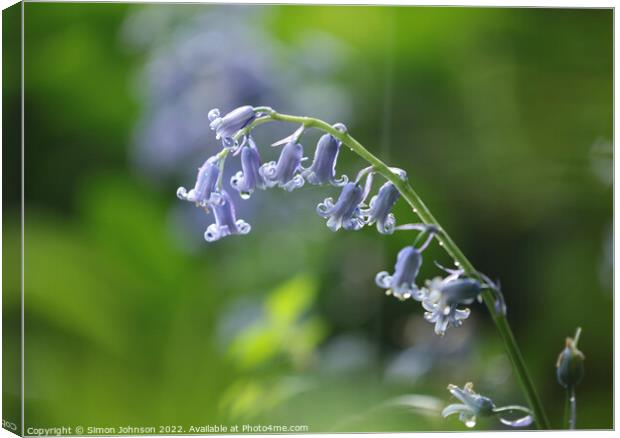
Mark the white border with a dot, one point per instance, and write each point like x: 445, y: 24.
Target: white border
x: 480, y: 3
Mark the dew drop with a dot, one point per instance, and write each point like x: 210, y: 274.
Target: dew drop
x: 457, y: 264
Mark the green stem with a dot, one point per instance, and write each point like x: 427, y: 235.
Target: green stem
x: 570, y: 413
x: 418, y: 206
x: 222, y: 156
x: 567, y: 409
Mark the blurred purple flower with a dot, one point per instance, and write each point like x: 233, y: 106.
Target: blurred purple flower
x: 193, y: 63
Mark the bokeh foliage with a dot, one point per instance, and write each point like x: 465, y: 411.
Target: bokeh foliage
x: 503, y: 119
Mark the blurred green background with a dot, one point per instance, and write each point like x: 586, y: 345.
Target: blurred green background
x: 502, y: 118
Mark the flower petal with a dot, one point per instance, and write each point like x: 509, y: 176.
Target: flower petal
x: 455, y: 408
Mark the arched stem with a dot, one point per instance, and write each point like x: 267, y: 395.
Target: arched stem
x: 418, y: 206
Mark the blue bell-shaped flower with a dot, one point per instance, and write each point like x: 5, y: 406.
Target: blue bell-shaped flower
x: 323, y: 168
x: 226, y: 222
x: 345, y: 213
x: 204, y: 192
x: 249, y: 177
x: 380, y: 209
x: 285, y: 173
x: 226, y: 127
x: 401, y: 283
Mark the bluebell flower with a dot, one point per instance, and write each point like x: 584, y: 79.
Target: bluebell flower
x: 472, y: 405
x: 284, y: 173
x: 226, y: 127
x: 346, y: 212
x: 402, y: 284
x: 204, y: 192
x: 249, y: 177
x: 442, y: 298
x: 379, y: 210
x: 226, y: 222
x: 323, y: 168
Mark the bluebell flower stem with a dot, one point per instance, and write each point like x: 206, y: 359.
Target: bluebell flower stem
x: 570, y: 408
x: 418, y: 206
x: 566, y: 423
x: 222, y: 160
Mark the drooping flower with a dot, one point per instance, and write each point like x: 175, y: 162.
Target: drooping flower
x: 204, y: 191
x: 226, y: 222
x: 473, y: 405
x: 442, y: 298
x: 323, y: 168
x: 226, y: 127
x: 346, y: 212
x: 401, y: 284
x: 284, y: 173
x: 249, y: 177
x: 380, y: 209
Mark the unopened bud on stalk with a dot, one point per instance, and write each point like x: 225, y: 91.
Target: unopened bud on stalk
x: 570, y: 363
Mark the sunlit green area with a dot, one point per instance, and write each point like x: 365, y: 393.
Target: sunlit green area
x: 501, y: 117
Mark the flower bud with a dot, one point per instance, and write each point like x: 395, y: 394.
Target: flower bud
x: 570, y: 363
